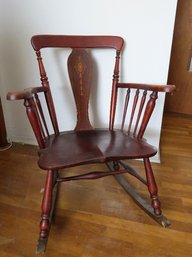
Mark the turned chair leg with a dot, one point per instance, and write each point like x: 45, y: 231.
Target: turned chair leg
x: 48, y: 207
x: 54, y: 195
x: 46, y: 212
x: 152, y: 187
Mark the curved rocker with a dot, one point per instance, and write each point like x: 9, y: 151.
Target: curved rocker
x: 146, y: 206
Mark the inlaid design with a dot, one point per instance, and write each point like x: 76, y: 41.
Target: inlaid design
x: 80, y: 68
x: 80, y: 74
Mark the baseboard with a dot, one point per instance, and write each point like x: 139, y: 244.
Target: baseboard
x: 23, y: 140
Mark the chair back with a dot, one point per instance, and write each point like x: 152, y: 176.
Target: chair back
x: 80, y: 69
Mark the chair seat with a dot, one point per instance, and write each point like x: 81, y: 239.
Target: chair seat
x: 82, y: 147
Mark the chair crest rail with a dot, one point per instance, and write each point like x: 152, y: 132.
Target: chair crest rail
x: 74, y: 41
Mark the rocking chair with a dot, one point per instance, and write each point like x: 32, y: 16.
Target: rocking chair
x: 85, y: 144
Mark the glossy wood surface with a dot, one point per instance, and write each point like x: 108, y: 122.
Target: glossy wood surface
x: 25, y: 94
x: 92, y: 146
x: 97, y: 218
x: 86, y: 145
x: 155, y: 88
x: 42, y: 41
x: 80, y: 67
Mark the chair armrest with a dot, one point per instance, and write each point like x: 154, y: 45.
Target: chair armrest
x: 26, y: 93
x: 144, y: 110
x: 155, y: 88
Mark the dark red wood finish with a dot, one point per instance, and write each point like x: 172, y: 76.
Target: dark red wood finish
x: 35, y: 121
x: 46, y: 205
x: 25, y: 94
x: 152, y: 186
x: 42, y: 41
x: 48, y: 96
x: 93, y: 146
x: 85, y: 145
x: 80, y: 73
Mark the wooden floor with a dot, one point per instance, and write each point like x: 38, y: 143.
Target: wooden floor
x: 97, y: 218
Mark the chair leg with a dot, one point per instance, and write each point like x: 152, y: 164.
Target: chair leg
x: 152, y: 187
x: 54, y: 194
x: 46, y: 212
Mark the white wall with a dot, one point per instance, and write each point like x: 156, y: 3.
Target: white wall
x: 146, y: 25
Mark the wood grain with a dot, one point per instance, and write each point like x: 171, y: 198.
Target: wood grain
x: 179, y: 75
x: 86, y: 145
x: 97, y: 218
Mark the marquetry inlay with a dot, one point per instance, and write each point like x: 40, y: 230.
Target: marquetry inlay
x: 80, y: 68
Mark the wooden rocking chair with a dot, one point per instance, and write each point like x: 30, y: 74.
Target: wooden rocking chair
x: 85, y: 144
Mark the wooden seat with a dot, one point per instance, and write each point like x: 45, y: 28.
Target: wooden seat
x: 92, y: 146
x: 85, y: 144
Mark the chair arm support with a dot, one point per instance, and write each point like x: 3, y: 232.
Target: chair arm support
x: 26, y: 93
x: 155, y: 88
